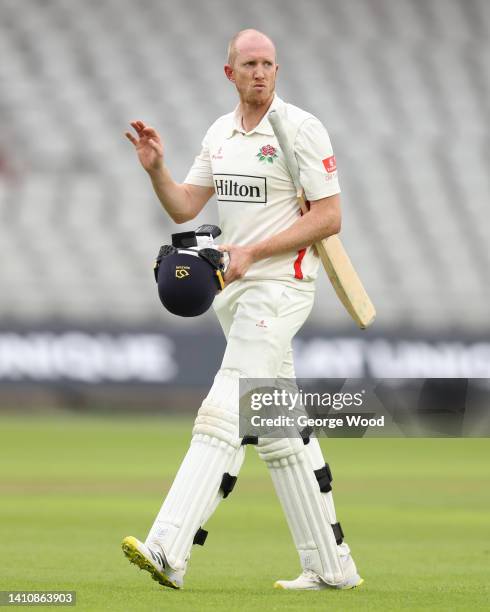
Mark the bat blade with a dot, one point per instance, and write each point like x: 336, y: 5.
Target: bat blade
x: 345, y: 281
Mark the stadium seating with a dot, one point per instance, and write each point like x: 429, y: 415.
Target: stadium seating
x: 401, y: 86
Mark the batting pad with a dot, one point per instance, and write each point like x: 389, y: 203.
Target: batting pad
x: 304, y: 505
x: 315, y: 456
x: 312, y: 447
x: 195, y: 493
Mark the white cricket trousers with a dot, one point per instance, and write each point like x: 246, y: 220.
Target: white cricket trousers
x: 259, y: 320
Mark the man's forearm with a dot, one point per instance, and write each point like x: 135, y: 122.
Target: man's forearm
x: 173, y: 196
x: 308, y: 229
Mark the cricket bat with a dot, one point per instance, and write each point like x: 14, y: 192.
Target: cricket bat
x: 333, y: 256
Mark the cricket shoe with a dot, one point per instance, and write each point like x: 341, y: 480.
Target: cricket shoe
x: 310, y: 581
x: 152, y: 561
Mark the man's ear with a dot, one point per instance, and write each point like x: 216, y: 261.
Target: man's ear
x: 229, y: 73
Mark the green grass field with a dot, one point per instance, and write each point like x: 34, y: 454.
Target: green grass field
x: 415, y: 513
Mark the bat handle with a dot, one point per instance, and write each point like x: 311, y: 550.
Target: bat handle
x: 286, y: 148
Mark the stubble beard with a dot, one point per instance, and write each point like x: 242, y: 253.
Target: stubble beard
x: 261, y: 97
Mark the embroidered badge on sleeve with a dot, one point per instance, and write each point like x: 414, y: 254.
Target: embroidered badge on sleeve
x: 330, y: 164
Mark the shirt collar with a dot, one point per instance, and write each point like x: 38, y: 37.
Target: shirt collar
x: 264, y: 127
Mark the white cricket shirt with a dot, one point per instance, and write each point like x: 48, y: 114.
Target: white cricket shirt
x: 255, y: 193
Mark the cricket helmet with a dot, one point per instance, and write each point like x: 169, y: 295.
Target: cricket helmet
x: 189, y: 277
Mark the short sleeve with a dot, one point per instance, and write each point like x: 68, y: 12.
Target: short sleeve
x: 201, y: 172
x: 317, y: 166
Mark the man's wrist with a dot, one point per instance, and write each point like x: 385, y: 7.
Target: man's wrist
x: 256, y: 252
x: 158, y: 173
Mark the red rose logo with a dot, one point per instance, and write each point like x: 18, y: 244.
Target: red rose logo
x: 268, y: 150
x: 267, y: 153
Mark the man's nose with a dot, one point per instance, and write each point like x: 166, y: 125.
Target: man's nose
x: 259, y: 73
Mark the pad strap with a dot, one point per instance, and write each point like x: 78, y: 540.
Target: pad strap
x: 227, y: 483
x: 338, y: 533
x: 200, y: 537
x: 306, y: 434
x: 324, y: 478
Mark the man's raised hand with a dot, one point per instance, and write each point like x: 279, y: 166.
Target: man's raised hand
x: 148, y: 145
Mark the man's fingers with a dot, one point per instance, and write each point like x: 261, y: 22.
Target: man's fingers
x: 228, y: 278
x: 134, y: 125
x: 145, y: 132
x: 139, y: 126
x: 130, y: 137
x: 150, y: 132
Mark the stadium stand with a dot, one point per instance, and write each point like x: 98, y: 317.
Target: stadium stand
x: 402, y: 87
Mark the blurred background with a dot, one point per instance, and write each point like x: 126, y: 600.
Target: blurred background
x: 403, y: 89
